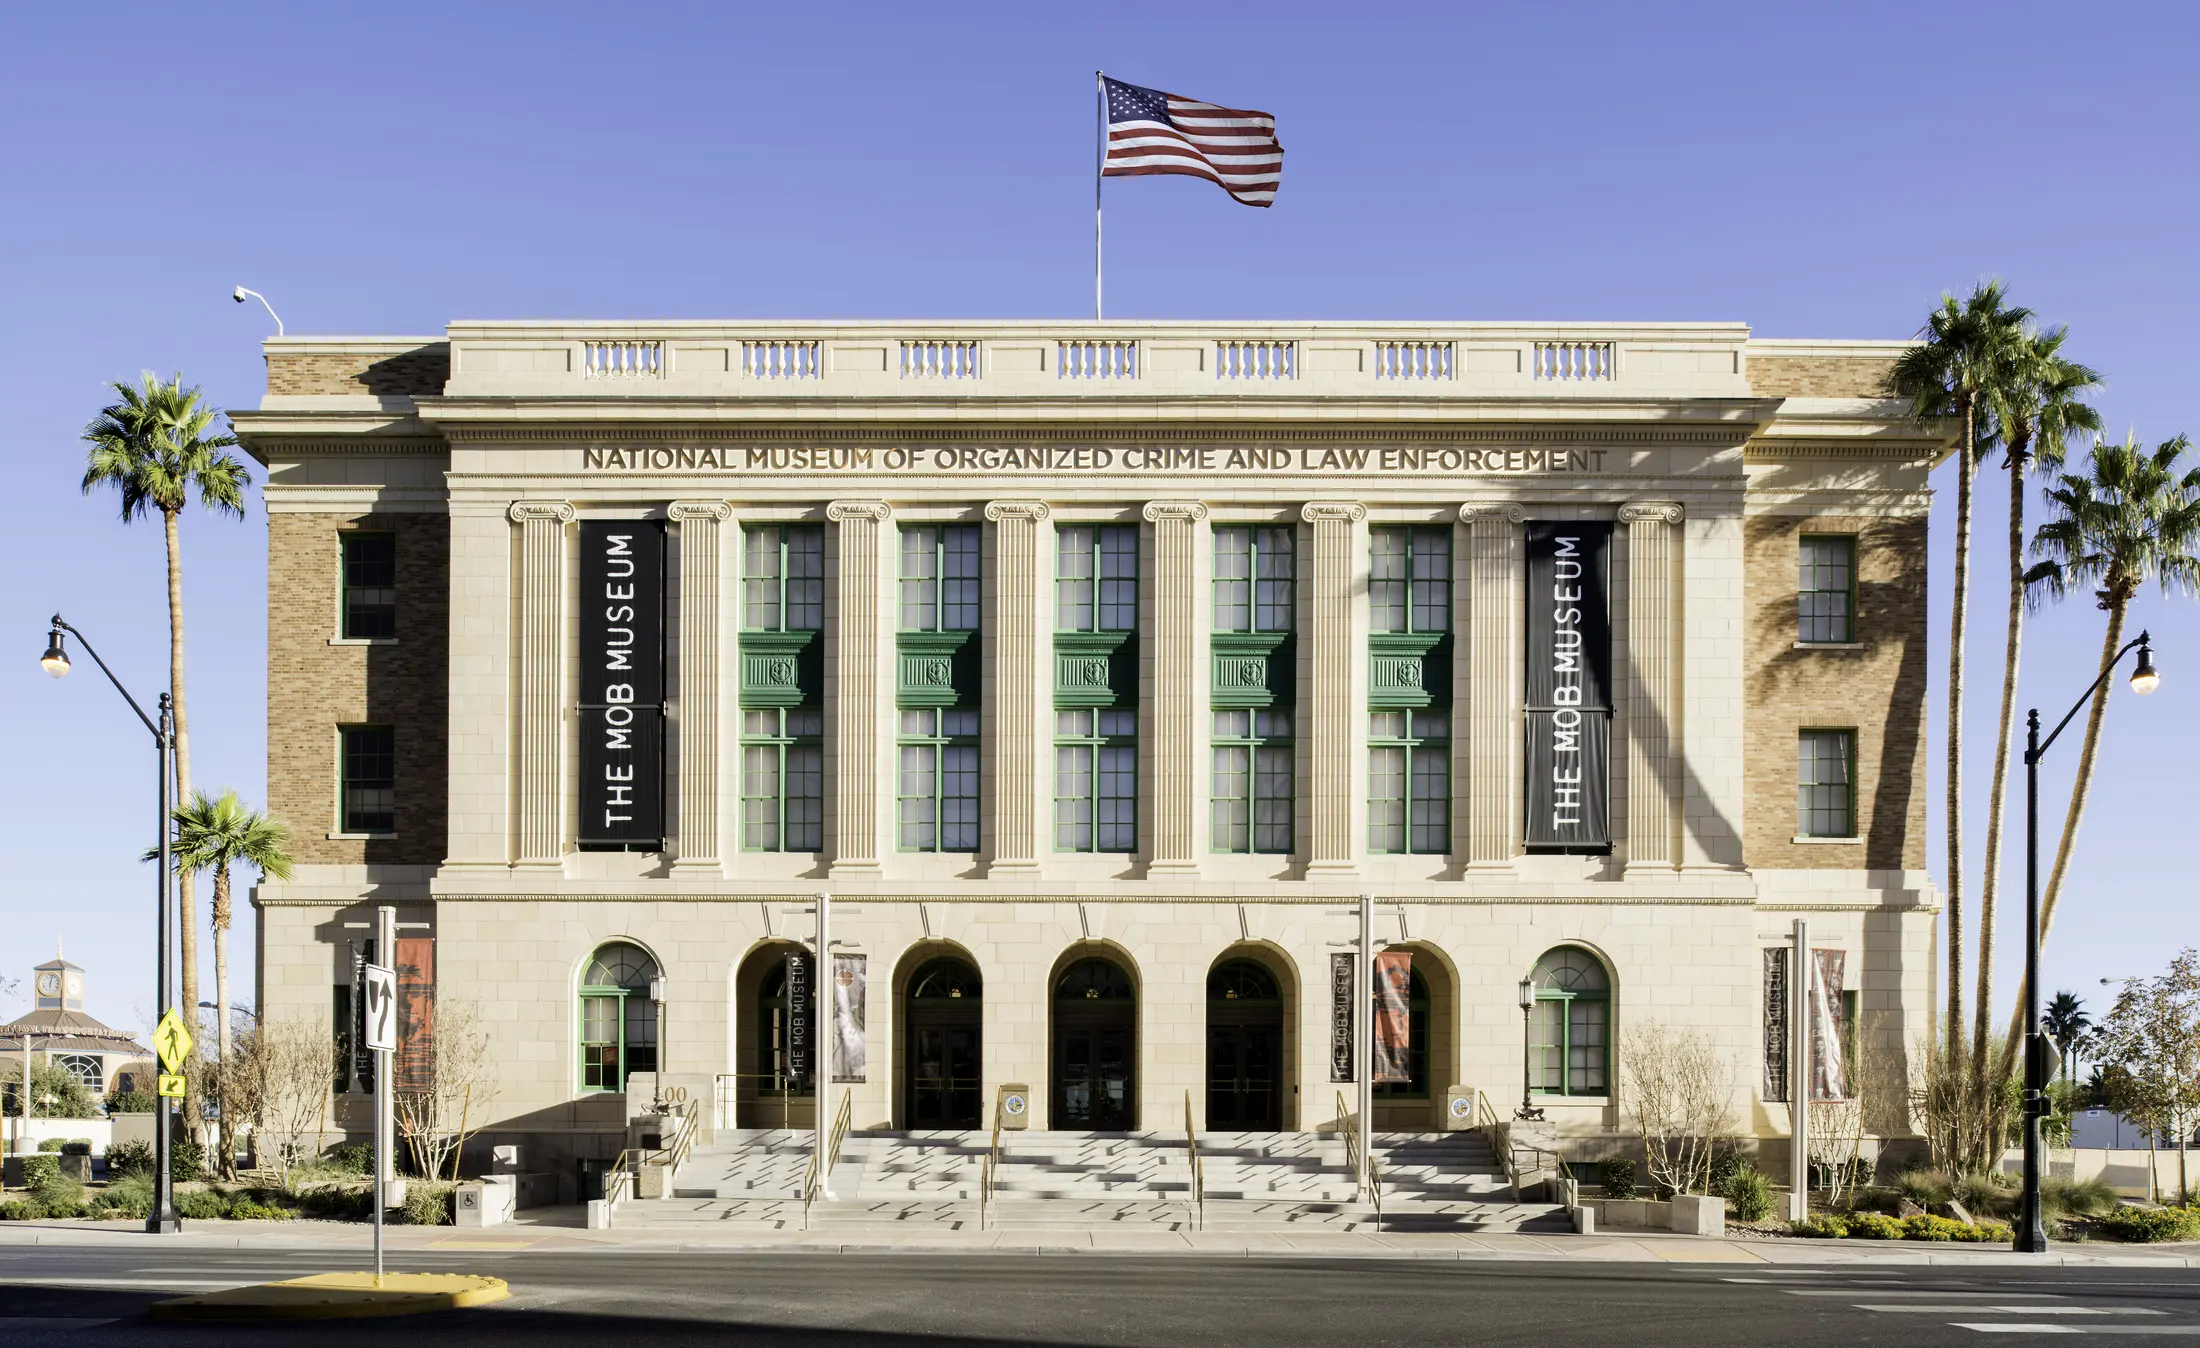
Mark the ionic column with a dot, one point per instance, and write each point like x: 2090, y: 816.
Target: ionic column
x: 701, y: 523
x: 1497, y: 561
x: 1331, y: 661
x: 1018, y: 658
x: 860, y: 647
x: 541, y: 729
x: 1653, y: 800
x: 1175, y: 738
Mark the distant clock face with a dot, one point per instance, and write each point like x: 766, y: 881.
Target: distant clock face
x: 76, y: 985
x: 49, y: 985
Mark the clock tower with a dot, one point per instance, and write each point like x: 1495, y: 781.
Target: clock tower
x: 59, y: 985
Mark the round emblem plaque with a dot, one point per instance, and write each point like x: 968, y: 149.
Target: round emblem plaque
x: 1460, y: 1107
x: 1013, y: 1105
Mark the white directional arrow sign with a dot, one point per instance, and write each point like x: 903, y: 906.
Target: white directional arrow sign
x: 381, y: 1009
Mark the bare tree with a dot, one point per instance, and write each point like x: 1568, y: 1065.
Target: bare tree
x: 2151, y: 1040
x: 293, y: 1065
x: 1683, y: 1096
x: 457, y: 1082
x: 1876, y: 1104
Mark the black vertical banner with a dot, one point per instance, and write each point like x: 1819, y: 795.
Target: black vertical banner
x: 1569, y: 711
x: 800, y: 1019
x: 1341, y: 984
x: 622, y: 693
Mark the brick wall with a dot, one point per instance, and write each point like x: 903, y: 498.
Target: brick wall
x: 1878, y: 688
x: 1819, y: 376
x: 313, y: 687
x: 421, y: 370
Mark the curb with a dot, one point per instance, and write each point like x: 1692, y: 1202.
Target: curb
x: 337, y: 1296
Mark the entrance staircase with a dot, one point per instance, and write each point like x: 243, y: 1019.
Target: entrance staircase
x: 1252, y: 1182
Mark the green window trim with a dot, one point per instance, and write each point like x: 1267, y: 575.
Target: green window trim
x: 783, y: 780
x: 615, y: 1025
x: 1096, y: 578
x: 783, y: 578
x: 1410, y: 579
x: 1570, y: 1029
x: 1825, y: 782
x: 1825, y: 586
x: 1409, y: 783
x: 936, y: 780
x: 1256, y: 572
x: 1252, y: 798
x: 942, y: 578
x: 1096, y: 780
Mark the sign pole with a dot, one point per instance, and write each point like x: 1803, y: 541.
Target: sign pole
x: 821, y: 1048
x: 1099, y: 170
x: 1366, y: 1036
x: 162, y: 1220
x: 385, y: 949
x: 1799, y: 1074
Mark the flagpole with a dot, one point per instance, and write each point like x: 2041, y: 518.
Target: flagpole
x: 1099, y: 166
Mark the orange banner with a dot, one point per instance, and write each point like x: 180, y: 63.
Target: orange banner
x: 1393, y: 1017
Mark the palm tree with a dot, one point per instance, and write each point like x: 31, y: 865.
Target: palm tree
x: 2037, y: 403
x: 153, y: 444
x: 2134, y: 517
x: 2066, y: 1022
x: 1965, y: 346
x: 214, y: 833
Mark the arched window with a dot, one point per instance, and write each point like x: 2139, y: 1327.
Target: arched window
x: 945, y: 979
x: 85, y: 1068
x: 1417, y: 1046
x: 1094, y: 980
x: 618, y: 1017
x: 1242, y: 980
x: 1570, y: 1039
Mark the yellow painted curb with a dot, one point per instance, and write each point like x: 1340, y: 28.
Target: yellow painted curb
x: 337, y: 1296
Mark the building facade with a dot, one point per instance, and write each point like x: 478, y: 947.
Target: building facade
x: 1095, y: 672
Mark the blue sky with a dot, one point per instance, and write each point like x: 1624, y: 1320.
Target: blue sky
x: 1815, y: 171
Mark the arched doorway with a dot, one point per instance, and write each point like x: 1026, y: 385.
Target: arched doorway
x: 767, y: 1095
x: 1432, y: 1052
x: 1095, y: 1065
x: 1245, y: 1053
x: 943, y: 1062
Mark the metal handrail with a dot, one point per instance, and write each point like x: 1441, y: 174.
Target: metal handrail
x: 1351, y: 1142
x: 1198, y: 1172
x: 992, y: 1163
x: 1375, y: 1188
x: 619, y: 1181
x: 814, y: 1178
x: 1499, y: 1136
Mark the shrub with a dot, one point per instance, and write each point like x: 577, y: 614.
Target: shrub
x: 429, y: 1204
x: 1726, y: 1163
x: 132, y: 1102
x: 352, y: 1158
x: 1992, y: 1194
x: 22, y: 1210
x: 2151, y: 1224
x: 1825, y: 1226
x: 129, y: 1158
x: 77, y: 1146
x: 1616, y: 1174
x: 246, y: 1210
x: 335, y: 1203
x: 40, y: 1168
x: 49, y: 1146
x: 2060, y: 1198
x: 132, y: 1197
x: 1926, y: 1188
x: 1875, y: 1226
x: 202, y: 1204
x: 1749, y: 1194
x: 186, y: 1160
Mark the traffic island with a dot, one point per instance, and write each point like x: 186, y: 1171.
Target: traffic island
x: 337, y: 1296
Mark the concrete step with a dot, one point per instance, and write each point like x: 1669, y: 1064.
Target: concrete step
x: 696, y: 1214
x: 1023, y: 1214
x: 890, y: 1214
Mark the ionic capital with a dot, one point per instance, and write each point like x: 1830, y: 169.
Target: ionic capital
x: 1182, y: 511
x: 1667, y: 512
x: 1316, y: 512
x: 716, y: 511
x: 875, y: 511
x: 1034, y: 511
x: 559, y: 511
x: 1512, y: 512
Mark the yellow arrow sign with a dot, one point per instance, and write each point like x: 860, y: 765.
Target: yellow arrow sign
x: 171, y: 1086
x: 172, y: 1040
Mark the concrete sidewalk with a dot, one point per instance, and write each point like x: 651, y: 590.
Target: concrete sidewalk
x: 554, y: 1231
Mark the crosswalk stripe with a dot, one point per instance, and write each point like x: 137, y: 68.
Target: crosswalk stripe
x: 1909, y: 1308
x: 1890, y: 1292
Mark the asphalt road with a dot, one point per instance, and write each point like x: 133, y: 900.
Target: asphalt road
x: 66, y: 1296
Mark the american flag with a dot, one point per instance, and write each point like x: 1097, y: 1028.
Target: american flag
x: 1153, y: 132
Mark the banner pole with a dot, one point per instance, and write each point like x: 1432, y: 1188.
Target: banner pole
x: 385, y: 934
x: 1099, y: 168
x: 1367, y: 1035
x: 821, y: 1043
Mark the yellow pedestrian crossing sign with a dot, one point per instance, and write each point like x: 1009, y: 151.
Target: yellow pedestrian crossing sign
x: 172, y: 1040
x: 171, y: 1085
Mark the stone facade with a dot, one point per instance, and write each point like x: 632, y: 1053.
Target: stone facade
x: 1704, y: 451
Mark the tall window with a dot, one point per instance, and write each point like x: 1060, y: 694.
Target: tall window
x: 1825, y: 783
x: 1570, y: 1031
x: 783, y: 780
x: 783, y: 578
x: 1825, y: 599
x: 1409, y: 781
x: 782, y: 746
x: 1409, y: 580
x: 1096, y: 578
x: 1096, y: 780
x: 1252, y: 781
x: 1253, y: 575
x: 938, y: 781
x: 369, y: 787
x: 939, y: 578
x: 618, y: 1020
x: 370, y: 586
x: 1096, y: 717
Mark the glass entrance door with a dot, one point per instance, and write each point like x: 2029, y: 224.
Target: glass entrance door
x: 944, y: 1085
x: 1093, y: 1077
x: 1243, y: 1090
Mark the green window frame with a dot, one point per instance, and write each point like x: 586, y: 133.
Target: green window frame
x: 1096, y: 780
x: 783, y: 780
x: 1096, y: 578
x: 783, y: 578
x: 616, y: 1022
x: 1825, y: 589
x: 1253, y: 755
x: 941, y: 576
x: 367, y: 796
x: 937, y: 781
x: 370, y: 585
x: 1409, y: 781
x: 1409, y: 579
x: 1255, y: 573
x: 1570, y: 1029
x: 1825, y: 783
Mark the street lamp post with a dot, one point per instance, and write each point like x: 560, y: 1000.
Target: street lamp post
x: 2031, y: 1235
x: 162, y: 1219
x: 1527, y: 1113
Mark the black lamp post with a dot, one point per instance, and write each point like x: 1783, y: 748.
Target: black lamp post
x: 55, y: 661
x: 2031, y: 1230
x: 1527, y: 1113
